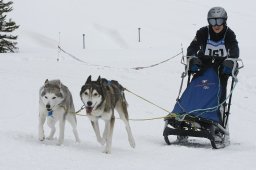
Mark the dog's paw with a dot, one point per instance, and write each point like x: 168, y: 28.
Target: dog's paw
x: 106, y: 151
x: 59, y: 143
x: 49, y: 138
x: 132, y: 143
x: 41, y: 138
x: 78, y: 141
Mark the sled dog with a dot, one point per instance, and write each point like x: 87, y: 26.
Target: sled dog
x: 100, y: 98
x: 56, y: 104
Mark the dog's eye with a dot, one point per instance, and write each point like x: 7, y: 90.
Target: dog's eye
x: 85, y: 93
x: 54, y: 98
x: 46, y: 97
x: 95, y: 94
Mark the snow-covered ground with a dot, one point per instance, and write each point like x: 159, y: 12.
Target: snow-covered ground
x: 111, y: 50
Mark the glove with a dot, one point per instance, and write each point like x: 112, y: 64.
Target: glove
x: 194, y: 68
x: 228, y: 67
x: 227, y: 70
x: 195, y: 65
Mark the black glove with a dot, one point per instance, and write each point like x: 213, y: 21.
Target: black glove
x: 195, y: 65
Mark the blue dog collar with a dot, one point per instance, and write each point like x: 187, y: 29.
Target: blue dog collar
x: 50, y: 113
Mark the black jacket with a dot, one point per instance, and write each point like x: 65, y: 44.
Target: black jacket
x: 200, y: 40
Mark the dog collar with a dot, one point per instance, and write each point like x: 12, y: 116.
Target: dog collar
x: 50, y: 113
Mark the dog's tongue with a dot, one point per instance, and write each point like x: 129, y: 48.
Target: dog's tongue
x: 89, y: 109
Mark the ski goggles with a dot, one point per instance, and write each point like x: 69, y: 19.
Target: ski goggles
x: 216, y: 21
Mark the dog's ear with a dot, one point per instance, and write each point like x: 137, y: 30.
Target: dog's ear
x: 46, y: 82
x: 99, y: 79
x: 89, y: 79
x: 59, y: 84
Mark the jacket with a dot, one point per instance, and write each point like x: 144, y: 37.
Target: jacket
x: 200, y: 41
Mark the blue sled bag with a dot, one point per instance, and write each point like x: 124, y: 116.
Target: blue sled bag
x: 201, y: 97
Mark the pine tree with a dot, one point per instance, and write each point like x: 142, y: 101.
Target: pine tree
x: 7, y: 41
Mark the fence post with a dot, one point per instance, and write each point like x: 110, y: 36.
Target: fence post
x: 59, y: 46
x: 139, y: 33
x: 83, y: 41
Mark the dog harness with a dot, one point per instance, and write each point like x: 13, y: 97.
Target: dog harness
x: 216, y: 49
x: 50, y: 113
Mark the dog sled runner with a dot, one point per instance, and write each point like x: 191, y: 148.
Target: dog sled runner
x: 201, y: 111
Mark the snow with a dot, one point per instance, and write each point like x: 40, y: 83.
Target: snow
x: 112, y: 49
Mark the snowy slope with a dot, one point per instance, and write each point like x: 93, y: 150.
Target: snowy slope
x: 110, y: 29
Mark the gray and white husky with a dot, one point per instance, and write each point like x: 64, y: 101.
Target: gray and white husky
x: 100, y: 98
x: 56, y: 104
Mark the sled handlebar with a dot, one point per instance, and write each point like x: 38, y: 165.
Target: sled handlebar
x: 238, y: 64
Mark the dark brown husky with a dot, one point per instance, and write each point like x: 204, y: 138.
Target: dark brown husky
x: 101, y: 98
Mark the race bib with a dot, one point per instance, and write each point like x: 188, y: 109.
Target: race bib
x: 215, y: 49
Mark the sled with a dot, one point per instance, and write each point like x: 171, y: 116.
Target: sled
x: 199, y: 112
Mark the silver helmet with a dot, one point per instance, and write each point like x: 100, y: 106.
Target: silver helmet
x: 217, y: 12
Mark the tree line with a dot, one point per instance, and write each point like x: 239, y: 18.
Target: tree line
x: 8, y: 41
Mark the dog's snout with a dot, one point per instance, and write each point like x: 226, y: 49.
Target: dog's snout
x: 89, y: 103
x: 48, y: 106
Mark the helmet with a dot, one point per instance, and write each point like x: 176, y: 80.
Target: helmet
x: 217, y: 12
